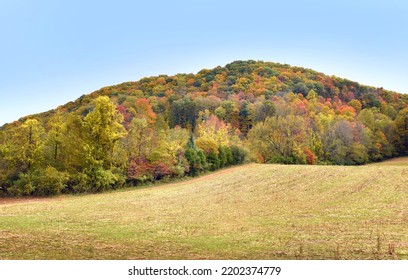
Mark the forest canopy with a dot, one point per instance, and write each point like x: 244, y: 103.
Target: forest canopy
x: 183, y: 125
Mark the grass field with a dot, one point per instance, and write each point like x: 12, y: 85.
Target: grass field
x: 246, y: 212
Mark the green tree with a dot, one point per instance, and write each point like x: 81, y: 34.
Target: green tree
x: 195, y: 157
x: 213, y: 160
x: 220, y: 112
x: 222, y: 154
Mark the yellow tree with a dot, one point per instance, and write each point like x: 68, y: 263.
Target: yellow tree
x: 55, y: 138
x: 280, y: 139
x: 215, y: 130
x: 27, y: 148
x: 104, y: 128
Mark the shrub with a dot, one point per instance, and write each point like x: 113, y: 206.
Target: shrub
x: 238, y: 154
x: 23, y: 185
x: 79, y: 183
x: 51, y: 182
x: 197, y: 161
x: 140, y: 170
x: 311, y: 158
x: 182, y: 165
x: 213, y: 161
x: 222, y: 156
x: 161, y: 170
x: 101, y: 179
x: 228, y: 154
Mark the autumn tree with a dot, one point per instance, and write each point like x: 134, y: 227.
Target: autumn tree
x: 55, y: 139
x: 280, y: 139
x: 104, y: 129
x: 27, y: 145
x: 401, y: 137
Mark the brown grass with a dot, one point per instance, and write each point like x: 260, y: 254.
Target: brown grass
x: 247, y: 212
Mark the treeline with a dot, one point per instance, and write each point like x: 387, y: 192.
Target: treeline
x: 96, y: 152
x: 184, y: 125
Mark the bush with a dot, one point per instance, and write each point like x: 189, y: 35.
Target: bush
x: 197, y: 161
x: 51, y: 182
x: 140, y: 170
x: 238, y: 154
x: 101, y: 179
x: 311, y: 158
x: 23, y: 185
x: 79, y: 183
x: 182, y: 165
x: 120, y: 176
x: 283, y: 159
x: 213, y: 161
x: 222, y: 155
x: 203, y: 160
x: 228, y: 154
x: 161, y: 170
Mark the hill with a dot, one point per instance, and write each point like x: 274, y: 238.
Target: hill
x: 246, y: 212
x: 188, y: 124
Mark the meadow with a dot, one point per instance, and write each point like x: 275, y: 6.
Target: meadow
x: 251, y: 211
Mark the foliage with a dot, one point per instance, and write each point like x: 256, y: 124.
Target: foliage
x: 51, y: 181
x: 187, y: 124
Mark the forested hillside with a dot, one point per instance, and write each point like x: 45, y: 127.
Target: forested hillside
x: 173, y: 126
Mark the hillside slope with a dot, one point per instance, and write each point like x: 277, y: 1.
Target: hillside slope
x: 247, y: 212
x: 187, y: 124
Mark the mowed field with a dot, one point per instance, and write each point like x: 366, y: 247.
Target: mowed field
x: 247, y: 212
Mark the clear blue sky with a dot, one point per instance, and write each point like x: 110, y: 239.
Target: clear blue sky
x: 52, y: 52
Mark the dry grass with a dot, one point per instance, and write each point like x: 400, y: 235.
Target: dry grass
x: 247, y: 212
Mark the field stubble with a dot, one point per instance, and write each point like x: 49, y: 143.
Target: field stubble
x: 246, y: 212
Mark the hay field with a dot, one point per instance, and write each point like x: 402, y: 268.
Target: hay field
x: 246, y: 212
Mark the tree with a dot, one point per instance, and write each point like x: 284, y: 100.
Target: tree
x: 342, y: 145
x: 144, y: 110
x: 238, y: 154
x: 222, y: 155
x: 311, y: 95
x: 207, y: 144
x: 280, y: 139
x: 267, y: 109
x: 245, y: 118
x: 213, y: 160
x: 195, y: 157
x: 356, y: 105
x: 28, y: 145
x: 55, y: 139
x: 401, y: 138
x: 220, y: 112
x: 215, y: 130
x: 104, y: 129
x: 366, y: 116
x: 280, y: 113
x: 139, y: 136
x: 184, y: 113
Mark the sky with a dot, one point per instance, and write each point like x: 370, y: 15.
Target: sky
x: 52, y: 52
